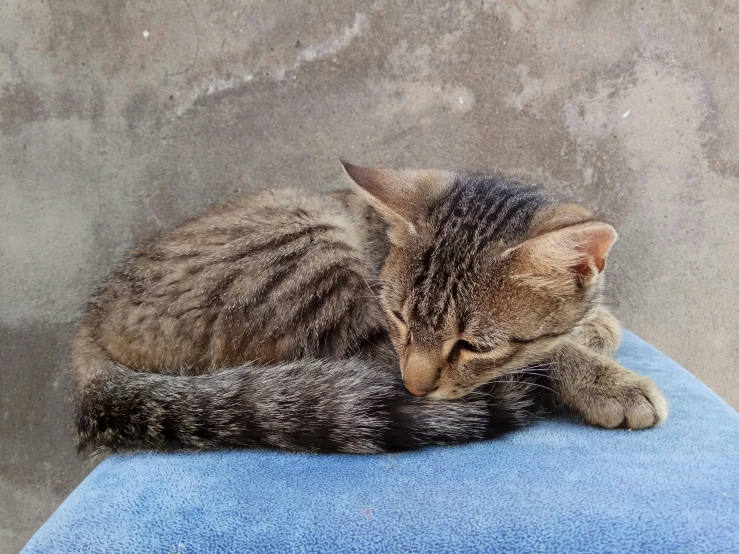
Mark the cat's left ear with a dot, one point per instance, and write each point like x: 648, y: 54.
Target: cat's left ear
x: 578, y: 251
x: 400, y: 196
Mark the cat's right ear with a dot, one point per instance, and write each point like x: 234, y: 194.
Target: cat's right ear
x: 390, y: 191
x: 400, y: 196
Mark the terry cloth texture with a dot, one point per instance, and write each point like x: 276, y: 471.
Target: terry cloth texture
x: 558, y: 486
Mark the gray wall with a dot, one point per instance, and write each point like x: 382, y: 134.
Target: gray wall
x: 108, y: 136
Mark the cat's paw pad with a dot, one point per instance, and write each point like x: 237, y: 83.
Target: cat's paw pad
x: 636, y: 403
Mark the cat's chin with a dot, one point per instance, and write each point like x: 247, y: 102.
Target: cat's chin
x: 439, y: 394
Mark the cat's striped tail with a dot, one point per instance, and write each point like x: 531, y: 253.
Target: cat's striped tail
x: 352, y: 405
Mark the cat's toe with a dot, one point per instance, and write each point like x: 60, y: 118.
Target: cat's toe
x: 645, y: 405
x: 635, y: 404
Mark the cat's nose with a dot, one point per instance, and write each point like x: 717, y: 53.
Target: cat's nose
x: 414, y: 391
x: 419, y: 376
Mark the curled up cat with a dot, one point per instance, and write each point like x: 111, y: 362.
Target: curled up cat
x: 418, y: 307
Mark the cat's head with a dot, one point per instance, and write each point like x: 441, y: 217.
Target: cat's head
x: 484, y: 274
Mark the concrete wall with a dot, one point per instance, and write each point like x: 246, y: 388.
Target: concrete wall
x: 119, y: 119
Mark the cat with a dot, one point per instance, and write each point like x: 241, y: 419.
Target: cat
x: 292, y: 319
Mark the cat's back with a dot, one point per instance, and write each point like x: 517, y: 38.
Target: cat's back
x: 272, y: 275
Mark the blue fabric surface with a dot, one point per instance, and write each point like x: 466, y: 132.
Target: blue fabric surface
x: 556, y: 487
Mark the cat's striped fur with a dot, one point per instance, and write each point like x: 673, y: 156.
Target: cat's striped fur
x: 265, y: 322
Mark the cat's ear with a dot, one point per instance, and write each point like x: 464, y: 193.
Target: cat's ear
x: 400, y: 196
x: 578, y: 251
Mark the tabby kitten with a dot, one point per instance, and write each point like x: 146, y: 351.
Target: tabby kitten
x: 267, y: 321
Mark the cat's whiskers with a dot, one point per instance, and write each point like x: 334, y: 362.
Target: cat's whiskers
x: 539, y: 372
x: 525, y: 383
x: 369, y: 287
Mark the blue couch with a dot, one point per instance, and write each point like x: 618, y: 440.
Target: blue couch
x: 558, y: 486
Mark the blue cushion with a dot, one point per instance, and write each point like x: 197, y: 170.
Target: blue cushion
x: 558, y: 486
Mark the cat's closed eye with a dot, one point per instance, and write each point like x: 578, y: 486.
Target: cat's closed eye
x: 470, y: 347
x: 399, y: 317
x: 401, y: 321
x: 466, y: 346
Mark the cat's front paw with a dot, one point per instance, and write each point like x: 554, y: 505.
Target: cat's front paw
x: 634, y: 402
